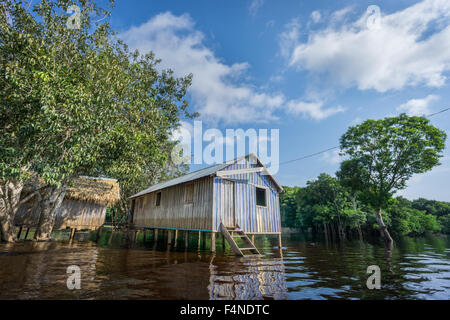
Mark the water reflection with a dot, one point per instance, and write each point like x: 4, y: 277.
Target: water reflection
x: 117, y: 269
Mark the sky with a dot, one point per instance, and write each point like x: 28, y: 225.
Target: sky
x: 310, y: 69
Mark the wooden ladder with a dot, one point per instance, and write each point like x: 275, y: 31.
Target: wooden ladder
x: 247, y: 251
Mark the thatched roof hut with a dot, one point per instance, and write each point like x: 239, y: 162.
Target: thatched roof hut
x: 84, y: 205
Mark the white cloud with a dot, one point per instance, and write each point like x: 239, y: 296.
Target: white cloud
x: 409, y: 47
x: 332, y: 157
x: 290, y: 37
x: 316, y: 16
x: 255, y: 5
x: 418, y: 107
x: 217, y: 89
x: 312, y: 109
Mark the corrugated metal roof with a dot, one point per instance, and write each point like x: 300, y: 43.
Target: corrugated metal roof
x: 186, y: 178
x: 197, y: 175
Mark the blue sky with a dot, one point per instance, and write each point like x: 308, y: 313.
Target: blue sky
x: 307, y: 68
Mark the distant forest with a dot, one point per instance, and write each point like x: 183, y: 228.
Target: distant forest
x: 325, y: 207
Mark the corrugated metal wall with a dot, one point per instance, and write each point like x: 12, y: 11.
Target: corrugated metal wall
x: 249, y: 217
x: 173, y: 211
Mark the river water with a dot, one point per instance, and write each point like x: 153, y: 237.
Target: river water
x: 418, y: 268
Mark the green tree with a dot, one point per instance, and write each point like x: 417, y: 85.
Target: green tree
x: 384, y: 154
x: 76, y: 101
x: 326, y: 204
x: 289, y: 207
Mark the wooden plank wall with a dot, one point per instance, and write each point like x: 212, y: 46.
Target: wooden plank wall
x: 174, y: 212
x: 80, y: 215
x: 251, y: 218
x: 71, y: 213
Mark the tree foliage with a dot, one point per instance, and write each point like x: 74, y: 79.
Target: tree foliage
x: 77, y: 101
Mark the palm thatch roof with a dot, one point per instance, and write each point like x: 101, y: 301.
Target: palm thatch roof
x: 102, y: 191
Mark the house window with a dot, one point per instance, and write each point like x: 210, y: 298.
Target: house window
x: 189, y: 193
x: 261, y: 197
x: 158, y: 199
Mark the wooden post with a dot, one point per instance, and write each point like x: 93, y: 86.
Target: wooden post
x: 279, y: 241
x: 186, y: 239
x: 26, y: 233
x: 155, y: 235
x: 169, y: 237
x: 199, y: 239
x: 176, y: 237
x: 72, y: 234
x: 20, y: 231
x: 204, y: 241
x: 145, y: 233
x: 213, y: 242
x: 253, y: 238
x: 223, y: 242
x: 99, y: 232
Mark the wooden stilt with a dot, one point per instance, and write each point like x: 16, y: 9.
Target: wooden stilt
x: 72, y: 234
x: 26, y: 233
x: 155, y: 235
x: 176, y: 238
x: 169, y: 237
x: 213, y: 242
x: 199, y: 239
x: 253, y: 238
x: 204, y: 241
x: 99, y: 232
x: 186, y: 239
x: 20, y: 231
x: 279, y: 241
x: 145, y: 234
x: 223, y: 242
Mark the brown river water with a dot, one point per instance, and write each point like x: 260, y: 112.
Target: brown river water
x: 419, y: 268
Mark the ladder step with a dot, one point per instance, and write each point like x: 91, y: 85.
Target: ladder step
x: 248, y: 248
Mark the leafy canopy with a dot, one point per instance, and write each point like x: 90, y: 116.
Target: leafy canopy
x: 385, y: 153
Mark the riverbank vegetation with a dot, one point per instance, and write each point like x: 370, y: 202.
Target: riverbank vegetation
x: 325, y: 207
x: 380, y: 156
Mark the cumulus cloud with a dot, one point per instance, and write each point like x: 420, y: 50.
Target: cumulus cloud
x: 289, y: 38
x: 314, y: 110
x: 332, y: 157
x: 217, y: 88
x: 407, y: 48
x: 418, y: 107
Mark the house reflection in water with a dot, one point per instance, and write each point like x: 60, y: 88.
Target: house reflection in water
x: 248, y: 279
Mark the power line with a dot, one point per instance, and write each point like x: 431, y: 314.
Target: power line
x: 433, y: 114
x: 336, y: 147
x: 308, y: 156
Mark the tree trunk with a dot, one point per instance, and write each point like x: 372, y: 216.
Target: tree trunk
x: 325, y: 231
x: 49, y: 204
x: 383, y: 229
x: 10, y: 192
x: 360, y: 233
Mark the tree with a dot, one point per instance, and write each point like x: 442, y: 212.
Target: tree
x: 384, y: 154
x: 85, y: 103
x: 288, y: 207
x: 328, y: 205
